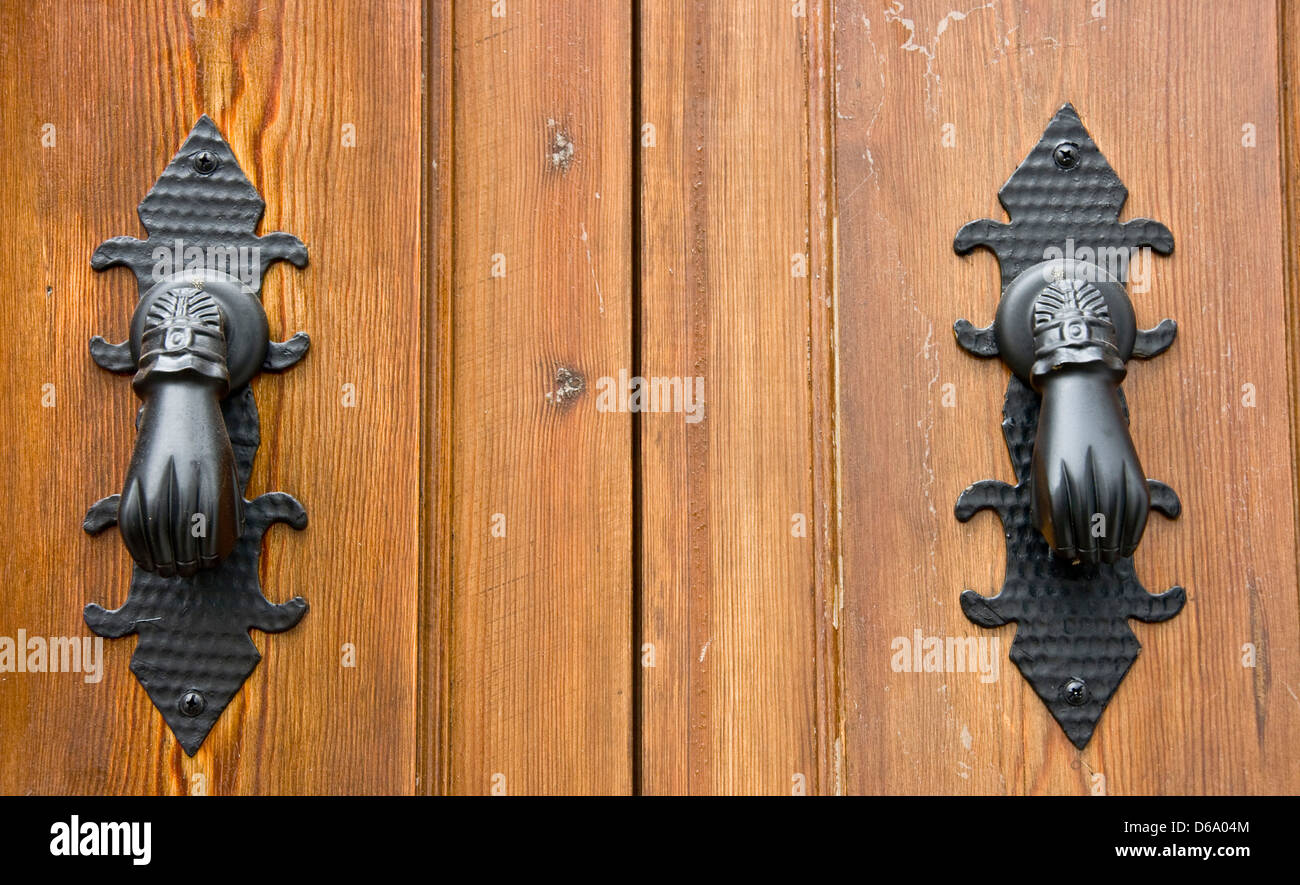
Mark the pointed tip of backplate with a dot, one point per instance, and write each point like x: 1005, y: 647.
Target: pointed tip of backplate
x: 1078, y: 723
x: 203, y: 191
x: 1047, y: 178
x: 191, y: 688
x: 1076, y: 679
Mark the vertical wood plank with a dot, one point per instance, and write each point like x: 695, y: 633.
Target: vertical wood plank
x: 1289, y: 142
x: 121, y: 84
x: 732, y: 272
x: 1168, y: 92
x: 433, y: 747
x: 541, y: 648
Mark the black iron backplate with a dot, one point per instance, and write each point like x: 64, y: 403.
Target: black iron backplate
x: 1073, y: 642
x: 194, y: 651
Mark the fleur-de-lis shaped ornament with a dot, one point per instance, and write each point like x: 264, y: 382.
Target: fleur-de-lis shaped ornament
x: 198, y: 336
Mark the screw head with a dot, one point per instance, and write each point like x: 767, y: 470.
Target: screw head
x: 1075, y: 692
x: 205, y: 162
x: 1066, y: 155
x: 192, y: 703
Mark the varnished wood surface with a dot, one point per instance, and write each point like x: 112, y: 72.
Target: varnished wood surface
x: 1289, y: 144
x: 540, y: 644
x: 122, y: 83
x: 1165, y: 89
x: 500, y: 230
x: 730, y: 618
x: 433, y: 724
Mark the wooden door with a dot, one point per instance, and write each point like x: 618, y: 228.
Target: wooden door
x: 531, y: 573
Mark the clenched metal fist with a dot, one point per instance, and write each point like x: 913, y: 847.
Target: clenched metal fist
x: 1091, y: 498
x: 181, y: 508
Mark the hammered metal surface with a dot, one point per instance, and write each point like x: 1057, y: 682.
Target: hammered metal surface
x: 194, y: 651
x: 217, y: 211
x: 1073, y: 643
x: 1049, y: 205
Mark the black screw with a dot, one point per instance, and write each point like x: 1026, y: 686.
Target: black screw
x: 192, y: 703
x: 1066, y: 155
x: 205, y: 162
x: 1076, y: 692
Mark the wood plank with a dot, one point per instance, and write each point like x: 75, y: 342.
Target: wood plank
x: 281, y: 79
x: 1166, y: 93
x: 732, y: 612
x: 433, y: 761
x: 541, y: 649
x: 1289, y: 142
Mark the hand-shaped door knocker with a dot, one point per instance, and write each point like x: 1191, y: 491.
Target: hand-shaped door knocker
x: 197, y: 338
x: 1065, y: 327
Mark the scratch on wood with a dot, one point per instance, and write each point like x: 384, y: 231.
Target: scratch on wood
x: 591, y: 266
x: 933, y: 84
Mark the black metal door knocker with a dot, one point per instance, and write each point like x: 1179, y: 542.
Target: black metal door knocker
x: 197, y: 338
x: 1066, y: 328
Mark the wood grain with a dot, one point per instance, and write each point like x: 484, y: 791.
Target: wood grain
x: 541, y: 648
x: 547, y: 597
x: 1289, y: 143
x: 732, y: 609
x: 433, y: 739
x: 1166, y: 91
x: 122, y: 84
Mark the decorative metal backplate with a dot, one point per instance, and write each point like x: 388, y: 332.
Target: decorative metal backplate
x: 194, y: 650
x: 1073, y: 642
